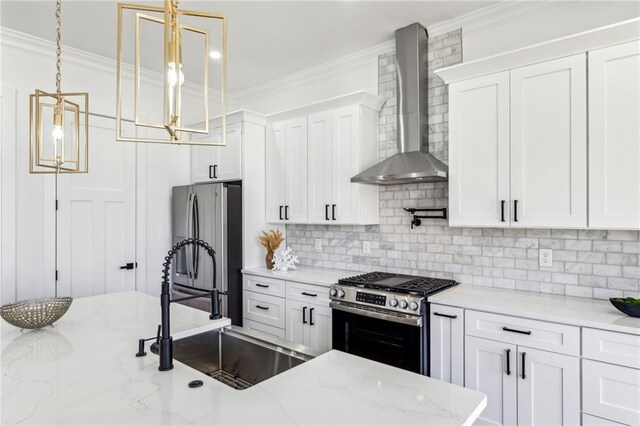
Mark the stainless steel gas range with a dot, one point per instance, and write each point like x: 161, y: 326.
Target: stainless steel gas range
x: 385, y: 317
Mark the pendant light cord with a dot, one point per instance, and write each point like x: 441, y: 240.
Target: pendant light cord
x: 58, y: 46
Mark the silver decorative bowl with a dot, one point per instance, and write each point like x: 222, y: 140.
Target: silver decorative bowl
x: 35, y: 313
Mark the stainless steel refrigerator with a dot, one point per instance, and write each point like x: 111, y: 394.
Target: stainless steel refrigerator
x: 211, y: 212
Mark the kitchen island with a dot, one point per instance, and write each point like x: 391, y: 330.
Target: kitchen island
x: 84, y: 371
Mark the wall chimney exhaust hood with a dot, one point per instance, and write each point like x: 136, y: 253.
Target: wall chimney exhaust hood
x: 412, y: 163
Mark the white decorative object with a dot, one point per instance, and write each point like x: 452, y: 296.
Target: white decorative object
x: 284, y: 260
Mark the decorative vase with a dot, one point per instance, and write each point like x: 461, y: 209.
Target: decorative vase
x: 269, y: 260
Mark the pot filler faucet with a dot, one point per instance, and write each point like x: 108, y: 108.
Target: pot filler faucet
x: 163, y: 337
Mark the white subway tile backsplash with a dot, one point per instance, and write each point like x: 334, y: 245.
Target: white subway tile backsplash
x: 586, y: 263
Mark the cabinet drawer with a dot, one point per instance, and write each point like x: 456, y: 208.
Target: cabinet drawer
x: 611, y: 392
x: 609, y: 346
x: 520, y: 331
x: 269, y: 310
x: 270, y: 286
x: 588, y: 420
x: 273, y: 331
x: 308, y: 293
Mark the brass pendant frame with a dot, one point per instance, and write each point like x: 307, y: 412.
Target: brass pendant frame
x: 175, y: 129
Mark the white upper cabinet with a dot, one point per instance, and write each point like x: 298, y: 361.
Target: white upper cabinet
x: 479, y: 151
x: 549, y: 144
x: 614, y: 137
x: 316, y: 150
x: 218, y: 163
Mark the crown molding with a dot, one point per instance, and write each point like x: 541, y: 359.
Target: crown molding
x: 494, y: 15
x: 26, y: 42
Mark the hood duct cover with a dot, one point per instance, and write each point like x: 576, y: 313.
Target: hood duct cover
x: 412, y: 163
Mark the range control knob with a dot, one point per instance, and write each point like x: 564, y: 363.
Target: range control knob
x: 340, y: 293
x: 413, y: 306
x: 403, y: 304
x: 333, y: 292
x: 393, y: 302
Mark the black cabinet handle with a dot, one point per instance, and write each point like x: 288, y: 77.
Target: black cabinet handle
x: 304, y: 315
x: 515, y: 210
x: 309, y: 294
x: 262, y: 285
x: 281, y: 218
x: 511, y: 330
x: 502, y: 203
x: 129, y: 266
x: 445, y: 315
x: 211, y: 172
x: 311, y: 316
x: 326, y: 211
x: 286, y: 212
x: 508, y: 362
x: 264, y: 308
x: 524, y: 354
x: 333, y: 211
x: 215, y: 171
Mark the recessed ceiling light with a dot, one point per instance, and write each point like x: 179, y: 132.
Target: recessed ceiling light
x: 214, y: 54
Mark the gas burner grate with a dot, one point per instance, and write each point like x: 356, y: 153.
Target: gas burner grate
x: 421, y: 286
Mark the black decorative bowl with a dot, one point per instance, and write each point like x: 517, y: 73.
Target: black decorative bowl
x: 630, y: 308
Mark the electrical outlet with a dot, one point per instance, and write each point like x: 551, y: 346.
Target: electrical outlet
x: 318, y: 246
x: 366, y: 247
x: 545, y: 257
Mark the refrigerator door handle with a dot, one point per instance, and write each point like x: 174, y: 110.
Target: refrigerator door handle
x: 224, y: 284
x: 196, y: 235
x: 187, y: 250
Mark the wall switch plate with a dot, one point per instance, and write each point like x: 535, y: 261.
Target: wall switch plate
x: 318, y: 246
x: 366, y: 247
x: 545, y: 257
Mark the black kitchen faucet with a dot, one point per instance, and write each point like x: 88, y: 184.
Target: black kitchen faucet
x: 163, y: 338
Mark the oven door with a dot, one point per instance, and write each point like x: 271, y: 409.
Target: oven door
x: 400, y: 341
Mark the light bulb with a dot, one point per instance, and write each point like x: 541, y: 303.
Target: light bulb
x: 171, y: 75
x: 57, y: 133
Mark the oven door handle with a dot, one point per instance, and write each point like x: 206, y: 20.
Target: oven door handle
x: 415, y: 321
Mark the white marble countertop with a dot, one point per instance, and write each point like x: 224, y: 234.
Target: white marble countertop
x: 84, y: 371
x: 316, y: 276
x: 556, y: 308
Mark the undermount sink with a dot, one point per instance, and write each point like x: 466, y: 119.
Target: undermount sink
x: 238, y: 357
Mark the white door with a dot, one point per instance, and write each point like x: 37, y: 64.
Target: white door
x: 345, y: 207
x: 614, y: 137
x: 320, y: 166
x: 229, y: 165
x: 275, y: 172
x: 611, y: 391
x: 96, y: 218
x: 479, y: 151
x: 202, y: 160
x: 490, y: 367
x: 295, y: 206
x: 297, y: 318
x: 447, y: 344
x: 319, y: 323
x: 549, y: 144
x: 548, y: 388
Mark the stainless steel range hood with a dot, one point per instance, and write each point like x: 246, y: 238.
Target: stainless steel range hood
x: 412, y: 163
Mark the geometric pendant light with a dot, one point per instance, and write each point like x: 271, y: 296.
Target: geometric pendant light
x: 58, y: 124
x: 171, y: 72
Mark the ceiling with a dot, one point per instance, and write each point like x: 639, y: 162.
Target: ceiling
x: 266, y: 39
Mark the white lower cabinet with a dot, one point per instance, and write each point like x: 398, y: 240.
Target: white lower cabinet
x: 611, y: 392
x: 255, y: 325
x: 447, y: 344
x: 309, y: 325
x: 490, y: 367
x: 548, y: 388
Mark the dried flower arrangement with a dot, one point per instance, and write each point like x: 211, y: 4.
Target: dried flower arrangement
x: 271, y: 240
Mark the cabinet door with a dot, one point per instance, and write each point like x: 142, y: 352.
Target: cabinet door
x: 229, y: 164
x: 295, y: 179
x: 614, y: 137
x: 490, y: 367
x: 202, y: 160
x: 548, y: 388
x: 319, y: 328
x: 297, y: 319
x: 345, y: 147
x: 275, y: 172
x: 549, y: 144
x: 479, y: 151
x: 447, y: 344
x: 320, y: 167
x: 611, y: 392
